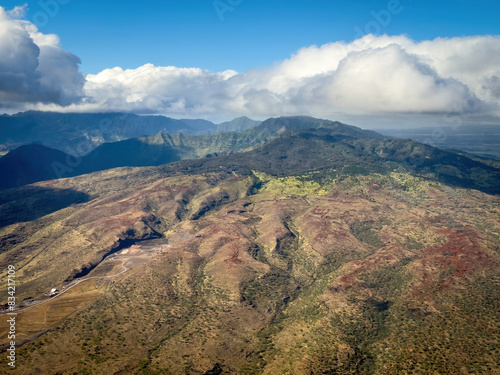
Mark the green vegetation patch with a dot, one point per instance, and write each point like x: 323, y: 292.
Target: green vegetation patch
x: 292, y: 186
x: 365, y: 232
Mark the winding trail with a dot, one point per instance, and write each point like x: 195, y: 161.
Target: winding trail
x: 76, y: 282
x: 73, y: 284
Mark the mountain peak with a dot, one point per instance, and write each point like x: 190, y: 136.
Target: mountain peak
x: 307, y: 122
x: 237, y: 124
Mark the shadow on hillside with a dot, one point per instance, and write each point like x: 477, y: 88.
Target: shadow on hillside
x: 32, y: 202
x: 128, y: 153
x: 34, y: 163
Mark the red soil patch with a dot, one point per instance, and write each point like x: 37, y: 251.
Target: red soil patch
x: 459, y: 257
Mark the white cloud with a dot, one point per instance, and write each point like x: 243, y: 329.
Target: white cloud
x: 18, y: 11
x: 375, y: 75
x: 384, y: 75
x: 158, y: 89
x: 33, y: 66
x: 382, y: 80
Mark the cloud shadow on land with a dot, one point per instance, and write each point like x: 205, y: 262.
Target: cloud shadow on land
x: 127, y: 153
x: 32, y: 202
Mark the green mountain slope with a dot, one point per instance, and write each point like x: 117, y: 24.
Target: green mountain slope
x: 292, y: 145
x: 238, y: 124
x: 165, y: 148
x: 300, y: 151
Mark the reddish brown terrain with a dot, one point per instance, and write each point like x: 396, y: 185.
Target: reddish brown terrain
x: 226, y: 273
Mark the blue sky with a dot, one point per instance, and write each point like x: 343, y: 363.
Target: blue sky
x: 190, y: 33
x: 414, y: 62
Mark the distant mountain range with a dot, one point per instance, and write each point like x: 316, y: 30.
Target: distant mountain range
x: 285, y: 145
x: 79, y: 133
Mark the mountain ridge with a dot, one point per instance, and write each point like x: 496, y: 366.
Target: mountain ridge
x: 277, y: 145
x: 79, y: 133
x: 165, y: 147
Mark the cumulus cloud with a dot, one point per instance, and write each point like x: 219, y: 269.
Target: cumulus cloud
x: 373, y: 75
x: 33, y: 66
x: 18, y: 11
x: 158, y: 89
x: 381, y: 80
x: 382, y: 75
